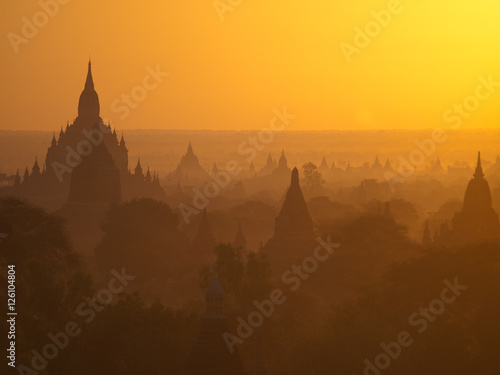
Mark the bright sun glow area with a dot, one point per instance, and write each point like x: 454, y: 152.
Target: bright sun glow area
x: 230, y: 73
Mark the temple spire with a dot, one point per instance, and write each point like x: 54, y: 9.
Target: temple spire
x: 138, y: 168
x: 283, y: 163
x: 324, y: 164
x: 376, y: 164
x: 88, y: 105
x: 479, y: 169
x: 89, y: 83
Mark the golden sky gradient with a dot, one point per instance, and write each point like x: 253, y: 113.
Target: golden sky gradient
x: 231, y: 73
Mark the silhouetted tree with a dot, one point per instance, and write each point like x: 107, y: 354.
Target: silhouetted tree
x: 242, y: 280
x: 460, y: 339
x: 131, y: 338
x: 50, y: 281
x: 312, y: 176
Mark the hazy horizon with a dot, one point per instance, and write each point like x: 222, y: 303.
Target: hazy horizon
x: 231, y: 187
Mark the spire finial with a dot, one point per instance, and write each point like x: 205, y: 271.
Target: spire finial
x: 89, y: 83
x: 479, y: 169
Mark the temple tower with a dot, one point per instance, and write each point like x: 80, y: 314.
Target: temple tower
x: 293, y: 233
x: 477, y: 221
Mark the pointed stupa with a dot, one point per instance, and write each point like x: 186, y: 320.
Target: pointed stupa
x: 323, y: 167
x: 333, y: 167
x: 376, y: 164
x: 156, y: 180
x: 294, y: 218
x: 479, y: 169
x: 477, y: 221
x: 36, y: 168
x: 478, y: 194
x: 189, y: 169
x: 282, y: 170
x: 438, y: 167
x: 388, y: 166
x: 88, y: 105
x: 54, y: 142
x: 283, y: 163
x: 26, y: 177
x: 293, y: 236
x: 270, y: 160
x: 138, y: 167
x: 269, y: 167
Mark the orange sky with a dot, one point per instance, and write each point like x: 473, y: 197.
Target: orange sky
x: 230, y: 74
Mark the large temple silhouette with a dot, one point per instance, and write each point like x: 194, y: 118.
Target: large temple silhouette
x: 476, y: 222
x: 50, y: 185
x: 293, y: 233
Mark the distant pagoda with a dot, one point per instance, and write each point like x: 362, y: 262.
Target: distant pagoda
x: 477, y: 221
x: 282, y: 171
x: 189, y: 171
x: 75, y: 143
